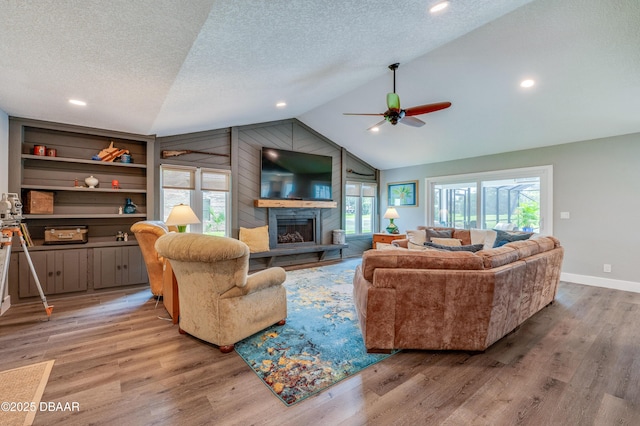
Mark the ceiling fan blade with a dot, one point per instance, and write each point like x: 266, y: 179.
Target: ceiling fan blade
x: 355, y: 113
x: 377, y: 125
x: 425, y: 109
x: 412, y: 121
x: 393, y: 101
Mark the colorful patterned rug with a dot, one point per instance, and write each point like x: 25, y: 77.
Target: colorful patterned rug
x: 320, y: 344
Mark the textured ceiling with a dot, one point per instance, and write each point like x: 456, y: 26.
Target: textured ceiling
x: 167, y: 67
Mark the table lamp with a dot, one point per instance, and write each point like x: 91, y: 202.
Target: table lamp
x: 181, y: 216
x: 391, y: 214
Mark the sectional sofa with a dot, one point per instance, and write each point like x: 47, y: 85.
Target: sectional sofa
x: 453, y: 300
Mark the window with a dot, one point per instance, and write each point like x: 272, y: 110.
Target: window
x: 509, y: 199
x: 360, y: 207
x: 205, y: 190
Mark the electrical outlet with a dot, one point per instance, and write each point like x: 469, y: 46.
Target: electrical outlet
x: 565, y: 215
x: 607, y: 267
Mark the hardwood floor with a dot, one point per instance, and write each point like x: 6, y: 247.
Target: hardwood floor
x: 577, y: 362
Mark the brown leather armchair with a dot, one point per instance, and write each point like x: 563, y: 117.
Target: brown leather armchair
x: 147, y: 232
x: 219, y: 302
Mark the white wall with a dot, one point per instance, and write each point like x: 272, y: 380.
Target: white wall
x: 4, y: 152
x: 595, y: 181
x: 5, y: 300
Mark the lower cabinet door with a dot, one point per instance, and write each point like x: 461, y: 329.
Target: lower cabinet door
x: 107, y: 267
x: 26, y: 281
x: 70, y: 270
x: 118, y: 266
x: 59, y: 271
x: 134, y: 270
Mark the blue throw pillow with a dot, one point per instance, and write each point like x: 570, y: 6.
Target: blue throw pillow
x: 504, y: 237
x: 472, y: 248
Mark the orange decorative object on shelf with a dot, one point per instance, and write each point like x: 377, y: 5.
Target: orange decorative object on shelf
x: 115, y: 184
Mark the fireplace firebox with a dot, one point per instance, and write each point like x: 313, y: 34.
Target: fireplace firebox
x: 293, y: 227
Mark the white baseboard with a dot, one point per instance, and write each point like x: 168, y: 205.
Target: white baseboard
x: 6, y: 304
x: 601, y: 282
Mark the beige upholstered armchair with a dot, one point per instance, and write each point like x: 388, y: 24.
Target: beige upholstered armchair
x: 147, y: 232
x: 219, y: 302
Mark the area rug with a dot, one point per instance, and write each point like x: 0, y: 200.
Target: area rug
x: 320, y: 344
x: 20, y: 392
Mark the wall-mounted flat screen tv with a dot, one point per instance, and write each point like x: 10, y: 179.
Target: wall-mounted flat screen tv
x: 295, y: 175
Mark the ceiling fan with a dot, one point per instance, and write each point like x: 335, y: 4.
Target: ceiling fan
x: 395, y: 115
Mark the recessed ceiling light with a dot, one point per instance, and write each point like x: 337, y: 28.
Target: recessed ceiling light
x: 438, y: 7
x: 77, y: 102
x: 375, y: 129
x: 281, y: 104
x: 527, y: 83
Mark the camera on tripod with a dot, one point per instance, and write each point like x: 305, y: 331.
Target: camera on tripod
x: 10, y: 218
x: 10, y: 210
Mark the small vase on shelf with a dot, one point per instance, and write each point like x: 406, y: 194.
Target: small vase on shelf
x: 129, y: 207
x: 91, y: 182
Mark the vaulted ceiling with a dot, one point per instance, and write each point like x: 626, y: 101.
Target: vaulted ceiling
x: 167, y: 67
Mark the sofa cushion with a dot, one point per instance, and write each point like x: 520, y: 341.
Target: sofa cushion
x: 470, y: 247
x: 525, y: 248
x: 428, y: 259
x: 492, y: 258
x: 437, y: 233
x: 545, y: 243
x: 504, y: 237
x: 463, y: 235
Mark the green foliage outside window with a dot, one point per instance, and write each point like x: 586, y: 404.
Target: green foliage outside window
x: 528, y: 214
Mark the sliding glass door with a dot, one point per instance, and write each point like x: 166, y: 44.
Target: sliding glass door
x: 455, y: 205
x: 516, y: 199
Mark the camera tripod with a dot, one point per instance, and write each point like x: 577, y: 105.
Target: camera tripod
x: 10, y: 217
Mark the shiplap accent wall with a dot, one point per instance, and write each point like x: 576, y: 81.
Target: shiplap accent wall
x: 291, y: 136
x: 244, y: 144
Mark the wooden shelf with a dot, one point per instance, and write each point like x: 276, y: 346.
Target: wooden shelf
x: 82, y: 161
x: 82, y: 189
x: 299, y: 204
x: 84, y: 216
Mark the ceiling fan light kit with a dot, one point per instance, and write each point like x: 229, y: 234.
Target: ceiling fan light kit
x: 394, y: 114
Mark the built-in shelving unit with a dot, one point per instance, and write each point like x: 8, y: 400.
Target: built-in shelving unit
x: 75, y: 204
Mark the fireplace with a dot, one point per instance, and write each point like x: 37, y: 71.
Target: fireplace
x: 294, y: 227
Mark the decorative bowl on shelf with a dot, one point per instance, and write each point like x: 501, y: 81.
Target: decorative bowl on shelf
x: 91, y: 182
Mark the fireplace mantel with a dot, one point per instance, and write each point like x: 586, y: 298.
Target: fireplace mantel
x: 293, y: 204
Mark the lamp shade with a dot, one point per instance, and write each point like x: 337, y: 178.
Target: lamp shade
x: 391, y: 213
x: 181, y: 216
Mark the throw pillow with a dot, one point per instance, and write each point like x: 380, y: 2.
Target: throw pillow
x: 256, y: 238
x: 416, y: 239
x: 472, y: 247
x: 503, y: 237
x: 451, y: 242
x: 483, y: 236
x: 432, y: 233
x: 385, y: 246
